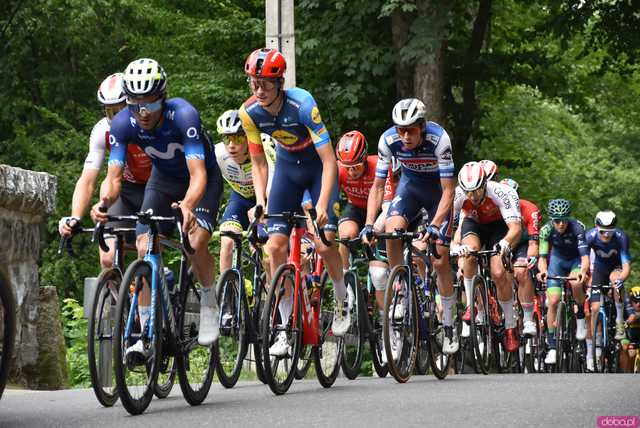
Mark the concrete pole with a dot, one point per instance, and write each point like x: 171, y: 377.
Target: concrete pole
x: 280, y: 34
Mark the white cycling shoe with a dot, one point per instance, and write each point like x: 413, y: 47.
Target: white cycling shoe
x: 450, y: 342
x: 581, y: 329
x: 342, y: 316
x: 529, y: 328
x: 138, y: 350
x: 551, y: 357
x: 466, y: 330
x: 209, y: 318
x: 280, y: 347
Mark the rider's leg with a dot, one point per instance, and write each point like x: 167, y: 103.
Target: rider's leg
x: 394, y: 246
x: 504, y: 288
x: 347, y: 229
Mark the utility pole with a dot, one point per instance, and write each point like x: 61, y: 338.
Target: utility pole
x: 280, y: 34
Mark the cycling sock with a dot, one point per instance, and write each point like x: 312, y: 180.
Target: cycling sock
x: 589, y: 349
x: 551, y: 338
x: 580, y: 313
x: 527, y: 308
x: 381, y: 313
x: 468, y: 285
x: 619, y: 313
x: 285, y: 307
x: 447, y: 309
x: 507, y: 309
x: 340, y: 289
x: 144, y: 312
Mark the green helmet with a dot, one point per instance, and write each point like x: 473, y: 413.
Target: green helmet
x: 559, y: 208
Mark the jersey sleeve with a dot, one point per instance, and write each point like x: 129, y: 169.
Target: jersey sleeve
x: 625, y: 255
x: 311, y: 119
x: 444, y: 155
x: 545, y: 233
x: 532, y: 220
x: 97, y: 145
x: 507, y: 200
x: 188, y: 122
x: 119, y: 139
x: 384, y: 158
x: 583, y: 249
x: 458, y: 200
x: 252, y: 131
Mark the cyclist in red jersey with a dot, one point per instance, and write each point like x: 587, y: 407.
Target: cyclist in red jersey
x: 136, y: 173
x: 526, y: 253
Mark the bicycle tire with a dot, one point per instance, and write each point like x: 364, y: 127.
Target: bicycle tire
x: 229, y: 364
x: 376, y: 346
x: 304, y: 362
x: 328, y: 341
x: 560, y: 337
x: 269, y: 328
x: 102, y: 310
x: 8, y: 314
x: 135, y: 405
x: 438, y: 360
x: 481, y: 334
x: 260, y: 296
x: 597, y: 362
x: 400, y: 368
x: 196, y: 363
x: 532, y: 343
x: 352, y: 356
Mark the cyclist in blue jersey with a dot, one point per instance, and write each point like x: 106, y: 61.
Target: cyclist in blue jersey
x: 611, y: 263
x: 305, y: 160
x: 184, y: 169
x: 562, y: 241
x: 423, y: 149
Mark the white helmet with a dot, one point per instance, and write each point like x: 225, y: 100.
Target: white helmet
x: 490, y: 168
x: 606, y: 220
x: 408, y: 111
x: 471, y: 176
x: 111, y: 90
x: 267, y: 140
x: 144, y: 77
x: 229, y: 123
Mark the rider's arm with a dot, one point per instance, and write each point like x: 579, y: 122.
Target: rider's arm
x: 583, y: 249
x: 259, y: 166
x: 458, y: 215
x: 197, y: 183
x: 83, y: 191
x: 625, y: 256
x: 444, y: 155
x: 110, y: 187
x: 374, y: 201
x: 329, y: 173
x: 545, y: 232
x: 446, y: 201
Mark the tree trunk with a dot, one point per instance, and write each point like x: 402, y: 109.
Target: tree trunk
x: 400, y: 24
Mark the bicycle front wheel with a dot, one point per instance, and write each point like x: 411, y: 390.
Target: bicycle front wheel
x: 327, y: 355
x: 100, y: 334
x: 438, y: 360
x: 480, y: 328
x: 354, y: 338
x: 561, y: 343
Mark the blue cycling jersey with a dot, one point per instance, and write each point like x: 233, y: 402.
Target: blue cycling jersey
x: 178, y: 138
x: 569, y: 245
x: 609, y: 254
x: 429, y: 162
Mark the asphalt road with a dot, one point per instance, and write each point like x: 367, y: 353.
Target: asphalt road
x: 560, y: 400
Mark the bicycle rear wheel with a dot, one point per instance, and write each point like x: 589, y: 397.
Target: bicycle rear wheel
x: 400, y: 324
x: 480, y: 328
x: 532, y: 349
x: 376, y: 343
x: 135, y: 374
x: 100, y: 336
x: 353, y: 350
x: 196, y: 363
x: 438, y: 360
x: 279, y: 370
x: 561, y: 344
x: 598, y: 351
x: 260, y: 297
x: 233, y: 341
x: 8, y: 327
x: 328, y: 354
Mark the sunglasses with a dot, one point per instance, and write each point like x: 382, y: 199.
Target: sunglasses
x: 144, y: 109
x: 111, y: 111
x: 264, y: 84
x: 411, y: 130
x: 605, y: 232
x: 560, y: 221
x: 352, y: 166
x: 235, y: 139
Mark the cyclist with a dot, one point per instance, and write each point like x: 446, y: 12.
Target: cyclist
x: 184, y: 168
x: 232, y: 155
x: 136, y: 172
x: 611, y: 264
x: 526, y: 253
x: 305, y: 161
x: 631, y: 342
x: 491, y: 218
x: 423, y: 149
x: 563, y: 251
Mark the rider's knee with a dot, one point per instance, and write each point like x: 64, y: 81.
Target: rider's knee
x: 379, y: 275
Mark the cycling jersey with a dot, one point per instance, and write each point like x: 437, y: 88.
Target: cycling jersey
x: 180, y: 137
x: 240, y: 177
x: 569, y: 245
x: 429, y: 162
x: 501, y: 203
x: 138, y: 165
x: 530, y: 220
x: 357, y: 189
x: 609, y: 254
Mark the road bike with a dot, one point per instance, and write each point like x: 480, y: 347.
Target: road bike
x: 605, y: 348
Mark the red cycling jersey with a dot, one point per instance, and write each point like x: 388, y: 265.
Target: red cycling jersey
x: 500, y: 203
x: 357, y: 190
x: 530, y: 219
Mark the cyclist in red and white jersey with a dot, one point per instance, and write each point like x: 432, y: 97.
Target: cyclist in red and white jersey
x: 491, y: 219
x: 137, y: 169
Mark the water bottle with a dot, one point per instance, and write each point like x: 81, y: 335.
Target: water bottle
x: 169, y: 279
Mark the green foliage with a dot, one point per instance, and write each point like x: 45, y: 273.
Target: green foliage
x: 75, y: 333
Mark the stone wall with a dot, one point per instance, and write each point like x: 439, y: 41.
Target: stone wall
x: 26, y: 199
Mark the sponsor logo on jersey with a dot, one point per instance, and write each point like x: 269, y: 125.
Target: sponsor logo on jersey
x: 420, y: 164
x: 172, y: 148
x: 446, y: 155
x: 285, y: 138
x: 315, y: 115
x: 266, y: 124
x: 612, y: 252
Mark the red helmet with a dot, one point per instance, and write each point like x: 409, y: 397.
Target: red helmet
x: 352, y: 148
x: 265, y: 62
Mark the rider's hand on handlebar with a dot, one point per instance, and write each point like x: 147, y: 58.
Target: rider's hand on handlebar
x: 321, y: 215
x: 459, y: 250
x: 542, y: 276
x: 99, y: 211
x: 366, y: 234
x: 503, y: 247
x: 618, y: 283
x: 532, y: 262
x: 189, y: 219
x: 431, y: 232
x: 67, y: 224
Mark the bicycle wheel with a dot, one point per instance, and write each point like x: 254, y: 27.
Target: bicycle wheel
x: 438, y: 360
x: 260, y: 297
x: 561, y: 345
x: 136, y: 375
x: 354, y: 338
x: 233, y: 341
x: 400, y: 324
x: 532, y: 349
x: 196, y: 363
x: 480, y: 328
x: 328, y: 354
x: 8, y: 327
x: 376, y: 343
x: 304, y: 362
x: 279, y: 370
x: 597, y: 356
x: 577, y: 349
x: 100, y: 328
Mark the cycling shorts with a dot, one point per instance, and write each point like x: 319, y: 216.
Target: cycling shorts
x: 519, y: 254
x: 561, y: 267
x: 236, y: 212
x: 290, y: 180
x: 632, y: 337
x: 355, y: 214
x: 128, y: 203
x: 600, y: 276
x: 163, y: 190
x: 488, y: 233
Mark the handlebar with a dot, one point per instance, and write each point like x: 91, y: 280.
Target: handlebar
x: 293, y: 217
x: 353, y: 244
x: 404, y: 235
x: 184, y: 238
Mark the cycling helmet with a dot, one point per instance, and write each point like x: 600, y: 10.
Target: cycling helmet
x: 634, y: 294
x: 352, y: 148
x: 511, y: 183
x: 395, y: 165
x: 471, y: 176
x: 490, y: 168
x: 144, y: 77
x: 111, y: 90
x: 265, y: 62
x: 559, y: 208
x: 606, y: 220
x: 229, y: 123
x: 408, y: 111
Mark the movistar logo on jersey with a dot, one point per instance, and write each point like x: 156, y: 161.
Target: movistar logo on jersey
x: 170, y: 153
x: 612, y: 252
